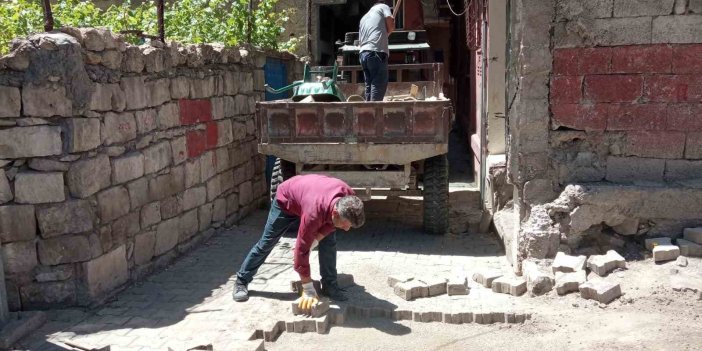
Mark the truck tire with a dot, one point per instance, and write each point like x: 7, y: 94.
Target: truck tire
x: 282, y: 171
x: 436, y: 195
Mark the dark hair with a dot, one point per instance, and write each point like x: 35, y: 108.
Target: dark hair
x: 351, y: 208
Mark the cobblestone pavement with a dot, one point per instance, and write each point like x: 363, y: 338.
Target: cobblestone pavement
x: 190, y: 304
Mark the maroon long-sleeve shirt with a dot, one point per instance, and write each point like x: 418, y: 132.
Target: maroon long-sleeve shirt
x: 312, y: 198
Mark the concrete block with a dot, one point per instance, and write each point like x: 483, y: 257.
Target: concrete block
x: 457, y: 286
x: 401, y: 315
x: 65, y: 218
x: 486, y: 277
x: 157, y: 157
x: 337, y: 314
x: 34, y: 141
x: 411, y: 290
x: 676, y: 29
x: 688, y: 248
x: 603, y: 264
x: 245, y: 194
x: 509, y: 285
x: 566, y: 263
x: 113, y: 203
x: 64, y: 249
x: 600, y: 290
x: 36, y: 188
x: 569, y: 282
x: 10, y: 102
x: 428, y: 317
x: 305, y: 326
x: 17, y: 223
x: 693, y: 234
x: 87, y: 177
x: 127, y: 167
x: 83, y: 134
x: 318, y: 309
x: 219, y: 210
x: 435, y: 286
x: 665, y: 253
x: 105, y: 273
x: 398, y: 278
x: 118, y: 128
x: 653, y: 242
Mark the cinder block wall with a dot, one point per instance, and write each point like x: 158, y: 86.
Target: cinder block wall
x: 115, y: 159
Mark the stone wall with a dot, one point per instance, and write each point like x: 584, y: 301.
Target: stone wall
x: 115, y: 159
x: 605, y: 92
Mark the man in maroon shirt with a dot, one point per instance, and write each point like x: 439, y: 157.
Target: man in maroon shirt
x: 320, y: 205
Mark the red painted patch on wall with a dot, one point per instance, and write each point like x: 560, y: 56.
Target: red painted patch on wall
x: 212, y: 131
x: 685, y: 117
x: 195, y: 111
x: 613, y: 88
x: 196, y: 142
x: 566, y: 89
x: 655, y: 144
x: 580, y: 117
x: 636, y: 117
x: 642, y: 59
x: 687, y: 58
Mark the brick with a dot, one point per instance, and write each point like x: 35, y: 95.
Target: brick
x: 159, y: 90
x: 565, y: 61
x: 157, y: 157
x: 435, y: 286
x: 485, y: 277
x: 19, y: 257
x: 682, y: 169
x: 194, y: 197
x: 171, y: 207
x: 613, y: 88
x: 113, y: 203
x: 653, y: 242
x: 411, y: 290
x: 604, y: 264
x: 684, y: 117
x: 146, y: 120
x: 569, y: 282
x: 567, y: 263
x: 693, y: 234
x: 205, y: 216
x: 10, y: 102
x: 600, y: 290
x: 457, y: 286
x: 642, y: 59
x: 509, y: 285
x: 144, y: 247
x: 167, y: 184
x: 166, y: 236
x: 689, y: 248
x: 46, y: 100
x: 399, y: 278
x: 107, y: 272
x: 693, y: 146
x: 566, y: 89
x: 83, y: 134
x: 179, y: 150
x: 168, y: 116
x: 665, y: 253
x: 637, y: 116
x: 34, y: 141
x: 118, y: 128
x: 655, y: 144
x: 138, y: 193
x: 627, y: 169
x: 17, y: 223
x: 180, y: 88
x: 188, y: 225
x: 87, y: 177
x: 638, y: 8
x: 673, y: 88
x: 580, y: 117
x: 63, y: 249
x: 128, y: 167
x: 192, y: 173
x: 677, y: 29
x: 136, y: 95
x: 194, y: 111
x: 687, y: 59
x: 37, y: 188
x: 69, y: 217
x: 593, y: 61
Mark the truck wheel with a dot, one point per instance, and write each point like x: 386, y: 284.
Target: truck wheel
x: 282, y: 171
x: 436, y: 195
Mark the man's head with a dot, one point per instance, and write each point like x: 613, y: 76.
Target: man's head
x: 348, y: 213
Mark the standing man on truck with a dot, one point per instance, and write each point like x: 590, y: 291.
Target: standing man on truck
x: 320, y: 205
x: 376, y: 25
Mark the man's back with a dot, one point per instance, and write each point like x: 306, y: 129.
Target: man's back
x: 373, y: 34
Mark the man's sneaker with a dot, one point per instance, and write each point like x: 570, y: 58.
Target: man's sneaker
x: 334, y: 292
x: 241, y: 292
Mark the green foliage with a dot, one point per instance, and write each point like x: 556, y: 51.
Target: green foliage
x: 187, y: 21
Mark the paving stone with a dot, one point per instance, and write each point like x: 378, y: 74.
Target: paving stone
x: 428, y: 317
x: 600, y: 290
x: 157, y: 157
x: 665, y: 253
x: 37, y: 188
x: 305, y: 326
x: 688, y: 248
x: 318, y: 310
x: 17, y: 223
x: 83, y: 134
x: 64, y: 249
x: 411, y: 290
x: 485, y: 277
x: 118, y: 128
x: 128, y: 167
x: 19, y: 256
x: 35, y: 141
x: 87, y: 177
x: 402, y: 315
x: 457, y: 286
x: 398, y: 278
x: 106, y: 272
x: 296, y: 286
x: 693, y: 234
x: 435, y: 286
x: 539, y: 278
x: 509, y: 285
x: 603, y: 264
x: 567, y: 263
x: 569, y: 282
x: 70, y: 217
x: 113, y: 203
x: 651, y: 243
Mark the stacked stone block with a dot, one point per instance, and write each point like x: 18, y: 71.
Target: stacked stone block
x: 115, y: 158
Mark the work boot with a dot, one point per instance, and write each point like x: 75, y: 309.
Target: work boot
x: 241, y: 292
x: 334, y: 292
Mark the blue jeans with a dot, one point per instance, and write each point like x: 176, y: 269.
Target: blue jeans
x: 375, y: 73
x: 278, y: 223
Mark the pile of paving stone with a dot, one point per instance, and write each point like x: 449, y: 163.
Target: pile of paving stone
x: 690, y: 245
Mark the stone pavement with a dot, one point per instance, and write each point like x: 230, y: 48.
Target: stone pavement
x: 189, y: 304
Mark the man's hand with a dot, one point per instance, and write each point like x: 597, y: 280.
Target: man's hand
x: 309, y: 298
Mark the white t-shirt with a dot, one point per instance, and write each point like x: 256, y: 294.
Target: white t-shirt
x: 372, y: 33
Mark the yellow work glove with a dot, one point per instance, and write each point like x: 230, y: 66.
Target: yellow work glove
x: 309, y: 298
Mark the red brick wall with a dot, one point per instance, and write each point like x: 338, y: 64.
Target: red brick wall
x: 650, y: 93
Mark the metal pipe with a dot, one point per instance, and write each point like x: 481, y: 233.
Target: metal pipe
x: 48, y: 16
x: 159, y: 14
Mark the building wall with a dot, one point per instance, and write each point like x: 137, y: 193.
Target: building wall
x: 115, y: 159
